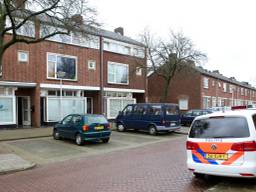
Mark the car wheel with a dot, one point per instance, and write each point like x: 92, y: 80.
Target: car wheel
x: 120, y: 127
x: 152, y: 130
x: 56, y: 134
x: 105, y: 140
x: 79, y: 140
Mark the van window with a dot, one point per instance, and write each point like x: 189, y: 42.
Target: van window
x: 172, y: 110
x: 128, y: 110
x: 155, y: 110
x: 139, y: 110
x: 220, y: 127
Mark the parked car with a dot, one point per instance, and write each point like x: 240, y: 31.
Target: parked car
x: 223, y: 108
x: 223, y: 144
x: 82, y: 128
x: 189, y: 116
x: 149, y: 117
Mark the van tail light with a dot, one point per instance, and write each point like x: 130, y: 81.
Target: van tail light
x: 85, y: 128
x: 246, y: 174
x: 192, y: 146
x: 244, y: 146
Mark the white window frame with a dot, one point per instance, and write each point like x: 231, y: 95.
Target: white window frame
x: 225, y: 87
x: 120, y: 64
x: 92, y: 62
x: 61, y: 55
x: 206, y: 82
x: 183, y: 104
x: 19, y: 56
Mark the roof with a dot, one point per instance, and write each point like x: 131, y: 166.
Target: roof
x: 224, y: 78
x: 86, y: 28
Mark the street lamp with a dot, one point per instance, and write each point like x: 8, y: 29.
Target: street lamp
x: 61, y: 75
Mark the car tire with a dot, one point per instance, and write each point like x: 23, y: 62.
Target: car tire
x: 152, y: 130
x: 79, y: 141
x: 56, y: 134
x: 120, y: 127
x: 105, y: 140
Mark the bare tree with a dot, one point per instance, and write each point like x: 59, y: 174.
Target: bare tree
x: 53, y: 16
x: 168, y: 57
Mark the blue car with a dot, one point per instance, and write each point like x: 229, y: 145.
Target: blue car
x: 151, y: 117
x: 83, y: 127
x: 189, y: 116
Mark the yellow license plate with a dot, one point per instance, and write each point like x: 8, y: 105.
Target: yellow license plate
x: 99, y: 127
x: 216, y: 156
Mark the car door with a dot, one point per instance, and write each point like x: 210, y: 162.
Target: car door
x: 65, y: 126
x: 187, y: 117
x: 75, y: 126
x: 127, y: 116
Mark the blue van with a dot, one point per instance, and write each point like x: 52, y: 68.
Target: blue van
x: 151, y: 117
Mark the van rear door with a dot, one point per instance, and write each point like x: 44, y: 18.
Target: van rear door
x: 219, y: 140
x: 171, y: 115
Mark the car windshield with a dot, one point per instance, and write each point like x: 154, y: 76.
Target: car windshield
x: 220, y: 127
x: 96, y: 120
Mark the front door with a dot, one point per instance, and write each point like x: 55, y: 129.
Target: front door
x: 26, y: 111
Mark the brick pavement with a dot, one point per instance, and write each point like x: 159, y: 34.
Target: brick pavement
x: 152, y: 168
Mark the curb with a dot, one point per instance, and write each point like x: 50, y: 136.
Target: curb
x: 21, y: 138
x: 31, y: 166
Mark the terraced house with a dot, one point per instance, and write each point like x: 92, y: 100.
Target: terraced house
x: 96, y: 73
x: 198, y: 88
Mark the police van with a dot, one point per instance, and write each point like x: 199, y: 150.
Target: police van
x: 223, y: 144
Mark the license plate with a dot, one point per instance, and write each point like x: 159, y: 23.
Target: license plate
x: 99, y: 128
x: 173, y: 124
x: 216, y: 156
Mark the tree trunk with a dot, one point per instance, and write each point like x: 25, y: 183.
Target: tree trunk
x: 165, y: 90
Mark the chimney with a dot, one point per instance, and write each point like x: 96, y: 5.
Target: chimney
x: 77, y: 18
x: 119, y: 30
x: 216, y: 71
x: 19, y: 4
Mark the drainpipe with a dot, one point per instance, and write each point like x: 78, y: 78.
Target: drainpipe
x: 101, y: 76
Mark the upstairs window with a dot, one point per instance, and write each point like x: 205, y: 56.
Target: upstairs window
x: 23, y: 56
x: 92, y: 65
x: 61, y: 63
x: 206, y: 83
x: 138, y: 71
x: 225, y: 87
x: 118, y: 73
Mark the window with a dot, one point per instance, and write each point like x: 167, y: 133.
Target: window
x: 23, y: 56
x: 118, y: 73
x: 206, y: 81
x: 155, y: 110
x: 67, y: 120
x: 225, y: 87
x: 172, y: 110
x: 213, y: 83
x: 183, y: 104
x: 59, y: 63
x: 219, y: 84
x: 128, y: 110
x: 206, y: 102
x: 91, y: 65
x: 242, y: 91
x: 245, y: 92
x: 220, y: 127
x: 138, y: 71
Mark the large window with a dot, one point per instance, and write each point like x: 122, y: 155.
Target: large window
x: 118, y: 73
x: 59, y: 63
x: 206, y: 82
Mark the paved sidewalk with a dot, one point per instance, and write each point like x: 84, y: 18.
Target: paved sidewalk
x: 13, y: 163
x: 15, y: 134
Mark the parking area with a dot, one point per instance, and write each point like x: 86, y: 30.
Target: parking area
x: 46, y: 150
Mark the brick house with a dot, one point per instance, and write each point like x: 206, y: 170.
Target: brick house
x: 97, y: 73
x: 198, y: 88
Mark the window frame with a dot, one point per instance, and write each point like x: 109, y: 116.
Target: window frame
x: 55, y: 67
x: 117, y: 64
x: 89, y: 62
x: 206, y: 83
x: 19, y: 52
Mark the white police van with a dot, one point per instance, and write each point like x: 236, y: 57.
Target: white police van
x: 223, y: 144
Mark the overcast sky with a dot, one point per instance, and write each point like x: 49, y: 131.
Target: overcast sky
x: 224, y: 29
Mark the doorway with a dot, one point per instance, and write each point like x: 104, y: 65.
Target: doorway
x: 24, y: 111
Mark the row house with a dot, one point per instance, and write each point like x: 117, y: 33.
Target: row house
x: 198, y: 88
x: 94, y: 73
